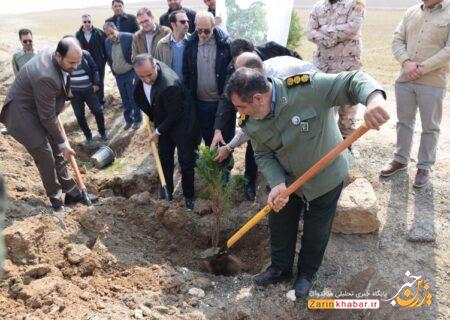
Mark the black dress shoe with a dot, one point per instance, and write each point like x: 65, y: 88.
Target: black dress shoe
x: 303, y: 285
x: 58, y: 208
x: 249, y: 192
x: 272, y: 275
x: 190, y: 202
x: 71, y: 200
x: 162, y: 195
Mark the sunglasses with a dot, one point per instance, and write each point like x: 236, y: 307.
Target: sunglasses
x: 183, y: 21
x: 205, y: 31
x: 27, y: 41
x: 87, y: 21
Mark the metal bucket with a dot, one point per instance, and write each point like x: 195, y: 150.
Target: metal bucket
x: 104, y: 156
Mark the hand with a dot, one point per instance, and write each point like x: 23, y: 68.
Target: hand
x: 275, y: 200
x: 218, y: 20
x: 154, y: 137
x: 223, y: 154
x: 217, y: 139
x: 68, y: 152
x: 411, y: 70
x: 376, y: 114
x: 70, y: 94
x: 95, y: 88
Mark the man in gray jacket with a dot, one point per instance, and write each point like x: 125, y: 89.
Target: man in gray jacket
x: 30, y: 113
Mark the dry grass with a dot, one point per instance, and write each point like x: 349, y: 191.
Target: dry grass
x: 377, y: 35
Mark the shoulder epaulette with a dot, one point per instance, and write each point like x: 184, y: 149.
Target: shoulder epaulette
x: 300, y: 79
x: 242, y: 119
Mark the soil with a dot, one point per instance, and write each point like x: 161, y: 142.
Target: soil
x: 132, y: 255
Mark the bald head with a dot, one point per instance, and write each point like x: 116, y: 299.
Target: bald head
x: 249, y: 60
x: 68, y: 53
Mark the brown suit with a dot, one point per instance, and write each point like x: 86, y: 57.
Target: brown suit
x: 140, y: 43
x: 30, y: 110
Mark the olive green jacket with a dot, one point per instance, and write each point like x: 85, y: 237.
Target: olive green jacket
x: 302, y: 128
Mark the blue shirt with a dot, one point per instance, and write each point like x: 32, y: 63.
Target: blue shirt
x: 177, y: 56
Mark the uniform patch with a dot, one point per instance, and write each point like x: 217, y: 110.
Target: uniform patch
x: 295, y: 120
x: 242, y: 119
x: 304, y: 126
x: 301, y: 79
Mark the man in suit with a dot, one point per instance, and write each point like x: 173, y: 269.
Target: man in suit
x: 164, y: 99
x: 30, y: 112
x: 123, y: 21
x: 118, y: 53
x: 175, y: 5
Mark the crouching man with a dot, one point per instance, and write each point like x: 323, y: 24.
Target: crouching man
x: 163, y: 98
x: 291, y: 126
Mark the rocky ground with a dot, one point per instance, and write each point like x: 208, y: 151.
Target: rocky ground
x: 133, y: 256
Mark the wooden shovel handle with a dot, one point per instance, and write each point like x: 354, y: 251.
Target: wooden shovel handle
x: 322, y: 163
x: 71, y: 159
x: 155, y: 154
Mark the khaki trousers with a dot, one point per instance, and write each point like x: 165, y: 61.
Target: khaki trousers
x: 428, y: 99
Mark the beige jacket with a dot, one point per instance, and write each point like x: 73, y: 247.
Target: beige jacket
x: 163, y: 51
x: 423, y: 35
x: 140, y: 44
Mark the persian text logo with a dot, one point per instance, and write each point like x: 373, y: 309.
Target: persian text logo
x: 412, y: 294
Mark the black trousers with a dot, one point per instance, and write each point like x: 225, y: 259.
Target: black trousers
x: 186, y: 159
x: 101, y: 91
x: 80, y: 97
x: 251, y: 169
x: 318, y: 220
x: 206, y: 115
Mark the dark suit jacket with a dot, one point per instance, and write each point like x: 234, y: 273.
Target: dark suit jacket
x: 34, y: 100
x: 223, y: 58
x: 164, y: 19
x: 272, y: 49
x: 96, y: 44
x: 171, y: 110
x: 127, y: 23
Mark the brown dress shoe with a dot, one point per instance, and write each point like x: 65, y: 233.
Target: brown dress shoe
x: 392, y: 168
x: 422, y: 178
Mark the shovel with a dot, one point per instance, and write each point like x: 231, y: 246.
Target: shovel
x: 162, y: 179
x: 75, y: 168
x: 223, y: 263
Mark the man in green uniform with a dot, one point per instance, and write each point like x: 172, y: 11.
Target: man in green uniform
x: 291, y: 125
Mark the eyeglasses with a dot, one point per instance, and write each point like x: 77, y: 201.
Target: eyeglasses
x: 27, y: 41
x: 144, y: 21
x: 205, y: 31
x: 87, y: 21
x: 183, y: 21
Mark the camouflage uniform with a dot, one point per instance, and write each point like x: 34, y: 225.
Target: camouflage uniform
x: 335, y: 29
